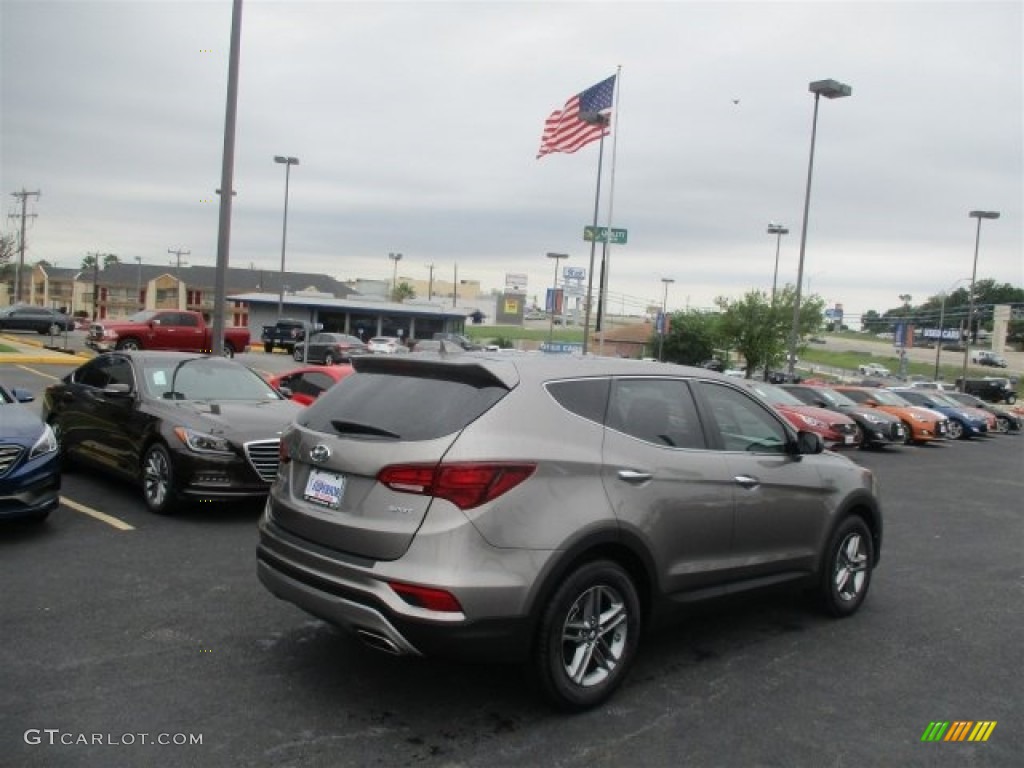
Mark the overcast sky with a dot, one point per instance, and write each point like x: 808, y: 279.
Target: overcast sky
x: 417, y: 127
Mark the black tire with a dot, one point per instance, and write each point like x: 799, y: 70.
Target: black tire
x: 909, y: 439
x: 268, y: 348
x: 1011, y: 399
x: 956, y: 430
x: 229, y: 349
x: 329, y: 359
x: 588, y: 636
x: 1002, y: 425
x: 846, y: 575
x: 297, y: 355
x: 128, y: 345
x: 55, y: 329
x: 158, y: 481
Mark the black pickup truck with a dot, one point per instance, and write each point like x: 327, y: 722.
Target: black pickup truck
x: 284, y: 334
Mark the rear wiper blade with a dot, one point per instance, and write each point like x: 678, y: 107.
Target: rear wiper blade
x: 355, y: 427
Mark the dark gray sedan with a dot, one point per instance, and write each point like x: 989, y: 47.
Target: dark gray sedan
x: 25, y: 317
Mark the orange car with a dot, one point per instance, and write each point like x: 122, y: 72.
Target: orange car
x: 923, y: 425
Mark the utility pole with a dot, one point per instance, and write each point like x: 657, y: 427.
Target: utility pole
x: 177, y: 269
x: 23, y: 196
x: 430, y: 283
x: 95, y: 283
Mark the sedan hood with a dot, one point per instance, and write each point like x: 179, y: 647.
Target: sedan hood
x: 244, y: 420
x: 19, y: 424
x: 821, y: 414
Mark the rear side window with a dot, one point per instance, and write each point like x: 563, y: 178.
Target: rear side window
x: 584, y: 397
x: 407, y: 405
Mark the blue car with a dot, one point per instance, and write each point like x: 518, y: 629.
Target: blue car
x: 29, y: 461
x: 962, y: 423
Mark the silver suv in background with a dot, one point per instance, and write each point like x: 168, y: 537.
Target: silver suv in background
x: 549, y: 510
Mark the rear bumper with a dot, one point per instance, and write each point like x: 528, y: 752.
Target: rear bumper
x: 353, y: 594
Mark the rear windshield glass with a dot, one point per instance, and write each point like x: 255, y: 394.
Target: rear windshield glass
x: 396, y: 405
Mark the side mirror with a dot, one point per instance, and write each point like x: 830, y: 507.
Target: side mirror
x: 22, y: 395
x: 809, y: 442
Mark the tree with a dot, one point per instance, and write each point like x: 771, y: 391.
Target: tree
x: 89, y: 260
x: 692, y: 338
x: 8, y: 252
x: 760, y: 332
x: 754, y: 328
x: 402, y: 292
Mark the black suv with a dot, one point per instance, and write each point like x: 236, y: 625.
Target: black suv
x: 994, y: 389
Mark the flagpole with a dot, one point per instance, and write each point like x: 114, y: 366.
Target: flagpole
x: 593, y: 246
x: 607, y: 260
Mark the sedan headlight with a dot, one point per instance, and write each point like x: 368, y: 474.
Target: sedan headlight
x: 201, y: 442
x: 47, y: 443
x: 874, y: 419
x: 813, y: 422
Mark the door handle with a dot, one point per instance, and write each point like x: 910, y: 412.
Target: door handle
x: 632, y: 476
x: 747, y: 481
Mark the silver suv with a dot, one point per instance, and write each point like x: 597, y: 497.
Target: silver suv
x: 548, y: 509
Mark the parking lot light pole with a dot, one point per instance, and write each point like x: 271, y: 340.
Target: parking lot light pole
x: 830, y: 89
x: 556, y: 257
x: 979, y: 215
x: 288, y: 162
x: 778, y: 230
x: 664, y: 318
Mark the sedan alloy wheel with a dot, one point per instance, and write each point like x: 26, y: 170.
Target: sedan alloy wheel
x: 158, y: 480
x: 956, y: 429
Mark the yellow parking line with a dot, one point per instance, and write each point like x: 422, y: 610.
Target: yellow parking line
x: 121, y: 525
x: 39, y: 373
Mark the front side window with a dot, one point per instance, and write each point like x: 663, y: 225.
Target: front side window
x: 742, y: 423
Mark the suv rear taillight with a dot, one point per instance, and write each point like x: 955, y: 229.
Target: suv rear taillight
x: 465, y: 485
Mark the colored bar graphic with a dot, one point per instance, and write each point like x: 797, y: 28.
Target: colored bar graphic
x: 958, y: 730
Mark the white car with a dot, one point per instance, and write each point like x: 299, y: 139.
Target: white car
x: 386, y: 345
x: 872, y: 369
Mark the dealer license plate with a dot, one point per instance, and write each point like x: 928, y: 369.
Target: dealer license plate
x: 848, y: 439
x: 325, y: 488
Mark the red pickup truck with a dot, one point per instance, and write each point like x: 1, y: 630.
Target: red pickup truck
x: 169, y: 329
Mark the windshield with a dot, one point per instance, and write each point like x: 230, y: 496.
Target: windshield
x: 204, y: 378
x: 889, y: 398
x: 835, y: 399
x: 774, y: 395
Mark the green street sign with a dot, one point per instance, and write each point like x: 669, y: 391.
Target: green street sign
x: 600, y: 234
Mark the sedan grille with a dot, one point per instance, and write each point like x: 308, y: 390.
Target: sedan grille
x: 845, y: 429
x: 264, y: 457
x: 9, y: 455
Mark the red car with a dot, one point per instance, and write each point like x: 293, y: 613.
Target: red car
x: 304, y: 385
x: 835, y: 429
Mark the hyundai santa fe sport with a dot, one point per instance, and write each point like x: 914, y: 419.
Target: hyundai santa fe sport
x: 550, y: 510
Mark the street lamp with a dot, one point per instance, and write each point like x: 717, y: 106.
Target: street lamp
x: 778, y: 230
x: 554, y: 290
x: 830, y: 89
x: 979, y: 215
x: 395, y: 257
x: 288, y: 162
x: 664, y: 318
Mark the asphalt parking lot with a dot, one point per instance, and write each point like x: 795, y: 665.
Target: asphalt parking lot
x: 123, y: 629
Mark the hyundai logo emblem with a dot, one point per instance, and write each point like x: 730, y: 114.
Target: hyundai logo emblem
x: 320, y: 454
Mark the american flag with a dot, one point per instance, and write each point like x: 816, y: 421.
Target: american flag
x: 581, y: 120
